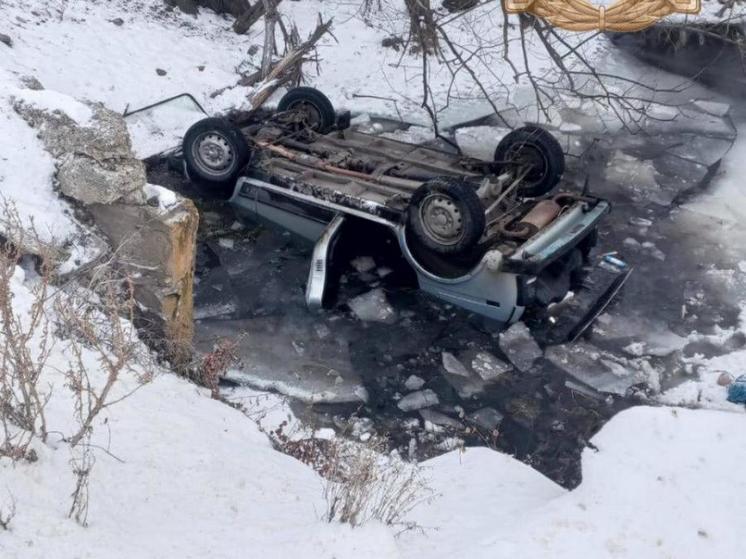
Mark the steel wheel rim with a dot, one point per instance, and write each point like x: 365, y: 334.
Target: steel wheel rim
x: 441, y: 219
x: 213, y: 154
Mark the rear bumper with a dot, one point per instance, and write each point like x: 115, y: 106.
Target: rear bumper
x: 565, y: 234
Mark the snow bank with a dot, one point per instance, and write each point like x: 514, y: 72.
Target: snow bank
x: 663, y: 483
x: 177, y: 474
x: 27, y: 170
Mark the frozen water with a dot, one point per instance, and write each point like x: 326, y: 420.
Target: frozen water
x: 363, y: 263
x: 373, y: 306
x: 438, y: 418
x: 414, y: 382
x: 453, y: 365
x: 487, y: 418
x: 418, y: 400
x: 519, y: 346
x: 597, y: 369
x: 488, y: 367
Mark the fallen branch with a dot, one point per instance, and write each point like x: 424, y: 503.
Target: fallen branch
x: 289, y: 65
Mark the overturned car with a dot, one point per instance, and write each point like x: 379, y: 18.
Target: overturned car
x: 494, y: 237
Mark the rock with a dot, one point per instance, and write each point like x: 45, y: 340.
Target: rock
x: 453, y: 365
x: 160, y: 71
x: 6, y: 40
x: 418, y: 400
x: 437, y: 418
x: 92, y: 144
x: 164, y: 243
x: 102, y: 182
x: 519, y: 346
x: 414, y: 382
x: 487, y: 418
x: 373, y: 306
x: 105, y: 137
x: 118, y: 21
x: 488, y: 367
x: 725, y: 379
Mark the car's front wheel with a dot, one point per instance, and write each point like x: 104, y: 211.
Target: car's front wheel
x: 215, y: 152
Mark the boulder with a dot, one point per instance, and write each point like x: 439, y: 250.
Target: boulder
x: 158, y: 247
x: 92, y: 182
x: 6, y: 40
x: 71, y: 127
x: 155, y: 244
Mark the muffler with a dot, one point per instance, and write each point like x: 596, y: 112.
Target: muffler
x: 541, y: 215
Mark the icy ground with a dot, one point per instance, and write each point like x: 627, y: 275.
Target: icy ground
x: 191, y: 477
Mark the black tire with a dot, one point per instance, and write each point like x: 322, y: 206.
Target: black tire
x: 456, y: 202
x: 323, y: 117
x: 227, y: 145
x: 535, y: 146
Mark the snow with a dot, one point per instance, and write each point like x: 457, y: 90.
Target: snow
x: 164, y: 197
x: 52, y: 101
x: 26, y: 172
x: 631, y: 502
x: 199, y: 470
x: 188, y: 476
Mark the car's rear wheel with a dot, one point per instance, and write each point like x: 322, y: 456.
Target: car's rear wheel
x: 535, y: 152
x: 215, y: 152
x: 309, y: 108
x: 446, y: 216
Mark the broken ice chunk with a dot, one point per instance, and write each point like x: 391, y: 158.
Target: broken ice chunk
x: 363, y: 264
x: 488, y: 366
x: 519, y: 346
x: 373, y: 306
x: 226, y: 243
x: 418, y: 400
x: 487, y: 418
x: 441, y: 419
x: 414, y: 383
x: 453, y: 365
x: 597, y: 369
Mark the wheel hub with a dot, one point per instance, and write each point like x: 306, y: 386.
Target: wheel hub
x: 530, y: 157
x: 214, y: 152
x: 442, y: 219
x: 308, y: 114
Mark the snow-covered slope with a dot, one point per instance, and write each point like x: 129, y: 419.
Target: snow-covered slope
x: 186, y: 476
x: 662, y: 483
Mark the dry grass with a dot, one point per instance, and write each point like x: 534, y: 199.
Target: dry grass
x: 362, y: 483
